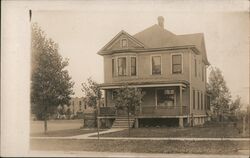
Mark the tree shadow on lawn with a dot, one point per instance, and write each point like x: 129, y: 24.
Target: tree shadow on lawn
x: 197, y: 132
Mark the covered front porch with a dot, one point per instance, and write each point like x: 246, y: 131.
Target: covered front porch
x: 165, y: 100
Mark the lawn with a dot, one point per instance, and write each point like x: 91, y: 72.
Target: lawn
x: 55, y: 125
x: 197, y: 132
x: 141, y: 146
x: 63, y: 133
x: 58, y: 128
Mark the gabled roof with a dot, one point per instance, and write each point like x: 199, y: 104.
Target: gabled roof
x: 156, y: 37
x: 112, y: 42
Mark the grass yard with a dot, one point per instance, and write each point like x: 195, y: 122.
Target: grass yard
x: 55, y: 125
x: 58, y: 128
x: 141, y: 146
x: 64, y: 133
x: 197, y: 132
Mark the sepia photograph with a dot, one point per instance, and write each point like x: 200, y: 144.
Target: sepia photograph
x: 127, y: 79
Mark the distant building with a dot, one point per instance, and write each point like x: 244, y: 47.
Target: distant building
x: 78, y: 105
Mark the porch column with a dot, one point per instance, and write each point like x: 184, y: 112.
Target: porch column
x: 105, y: 98
x: 181, y: 113
x: 155, y: 98
x: 136, y: 123
x: 140, y: 107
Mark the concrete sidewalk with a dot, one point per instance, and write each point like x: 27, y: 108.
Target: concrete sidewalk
x: 88, y: 136
x: 117, y: 154
x: 144, y: 138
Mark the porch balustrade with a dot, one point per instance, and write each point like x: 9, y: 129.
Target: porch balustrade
x: 149, y: 110
x: 164, y: 110
x: 108, y: 111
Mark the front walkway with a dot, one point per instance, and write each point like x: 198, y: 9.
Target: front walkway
x: 86, y: 136
x: 89, y: 136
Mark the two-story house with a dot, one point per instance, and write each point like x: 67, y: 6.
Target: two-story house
x: 170, y: 69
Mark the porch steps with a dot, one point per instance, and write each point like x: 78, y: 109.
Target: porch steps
x: 122, y: 122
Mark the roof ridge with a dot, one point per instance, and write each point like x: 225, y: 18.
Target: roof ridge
x: 199, y: 33
x: 157, y: 26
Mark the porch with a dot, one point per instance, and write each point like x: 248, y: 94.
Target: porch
x: 159, y: 101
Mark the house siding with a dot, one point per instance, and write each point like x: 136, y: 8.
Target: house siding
x: 144, y: 67
x: 197, y: 84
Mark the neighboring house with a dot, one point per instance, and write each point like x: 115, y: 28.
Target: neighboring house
x: 78, y: 105
x: 171, y: 70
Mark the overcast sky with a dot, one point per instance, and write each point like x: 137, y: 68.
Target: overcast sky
x: 80, y: 34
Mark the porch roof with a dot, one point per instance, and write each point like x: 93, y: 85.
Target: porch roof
x: 142, y: 84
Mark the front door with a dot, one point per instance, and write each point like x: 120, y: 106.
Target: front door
x: 165, y: 97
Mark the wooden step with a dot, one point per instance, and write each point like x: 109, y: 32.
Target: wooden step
x: 122, y: 122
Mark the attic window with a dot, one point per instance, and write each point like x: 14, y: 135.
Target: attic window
x: 124, y: 43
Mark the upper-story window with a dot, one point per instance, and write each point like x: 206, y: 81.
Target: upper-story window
x: 80, y: 103
x: 176, y: 64
x: 122, y: 66
x: 124, y: 43
x: 194, y: 99
x: 113, y: 67
x: 198, y: 96
x: 156, y: 65
x: 195, y: 67
x: 202, y: 73
x: 201, y: 101
x: 133, y: 66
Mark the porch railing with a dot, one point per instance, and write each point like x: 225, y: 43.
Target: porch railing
x: 108, y: 111
x: 164, y: 110
x: 149, y: 110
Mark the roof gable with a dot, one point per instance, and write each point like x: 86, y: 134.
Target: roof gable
x: 116, y: 43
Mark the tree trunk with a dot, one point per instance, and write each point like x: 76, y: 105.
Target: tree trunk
x: 45, y: 120
x: 128, y: 123
x: 98, y: 112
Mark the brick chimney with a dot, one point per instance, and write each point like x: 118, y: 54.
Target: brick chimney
x: 161, y: 21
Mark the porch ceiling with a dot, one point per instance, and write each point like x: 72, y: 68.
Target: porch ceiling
x: 144, y: 84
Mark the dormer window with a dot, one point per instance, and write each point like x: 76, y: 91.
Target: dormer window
x: 124, y: 43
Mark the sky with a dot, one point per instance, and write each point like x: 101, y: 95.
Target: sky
x: 83, y: 32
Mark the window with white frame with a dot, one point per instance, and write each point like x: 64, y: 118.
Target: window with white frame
x: 195, y: 67
x: 201, y: 101
x: 124, y: 43
x: 133, y: 66
x: 176, y: 64
x: 122, y: 66
x: 156, y: 65
x: 113, y: 67
x: 202, y: 73
x: 194, y: 102
x: 198, y: 96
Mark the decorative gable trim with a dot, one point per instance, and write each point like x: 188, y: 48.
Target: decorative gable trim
x: 115, y: 40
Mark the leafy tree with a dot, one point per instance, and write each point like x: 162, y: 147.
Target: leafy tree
x: 128, y: 98
x: 92, y: 92
x: 235, y: 106
x: 220, y: 94
x: 51, y: 84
